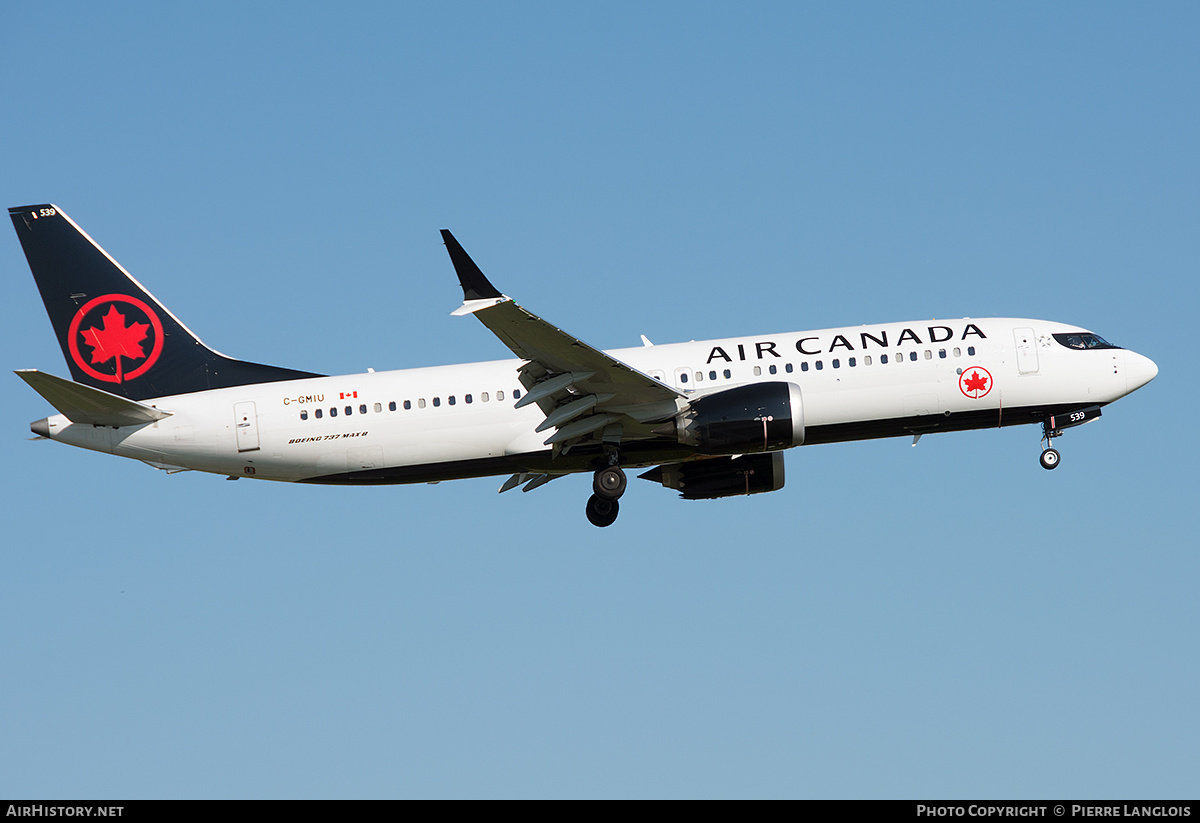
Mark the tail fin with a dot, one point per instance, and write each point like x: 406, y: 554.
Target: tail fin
x: 114, y: 334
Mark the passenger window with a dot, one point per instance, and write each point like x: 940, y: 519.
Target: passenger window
x: 853, y: 362
x: 468, y: 398
x: 728, y: 374
x: 683, y: 377
x: 712, y: 375
x: 957, y: 351
x: 883, y: 359
x: 928, y: 354
x: 912, y: 355
x: 772, y: 368
x: 867, y: 360
x: 450, y: 400
x: 942, y: 353
x: 699, y: 376
x: 837, y: 364
x: 788, y: 368
x: 303, y: 415
x: 333, y: 412
x: 392, y: 406
x: 362, y: 409
x: 820, y: 365
x: 437, y: 401
x: 317, y: 414
x: 516, y: 394
x: 804, y: 366
x: 407, y: 405
x: 500, y: 395
x: 758, y: 371
x: 420, y: 402
x: 349, y: 410
x: 379, y: 407
x: 483, y: 396
x: 971, y: 351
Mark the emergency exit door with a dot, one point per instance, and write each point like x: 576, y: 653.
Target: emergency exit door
x: 246, y: 426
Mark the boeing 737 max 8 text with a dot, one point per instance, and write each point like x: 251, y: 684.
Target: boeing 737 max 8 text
x: 709, y: 419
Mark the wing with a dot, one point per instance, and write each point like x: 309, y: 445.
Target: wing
x: 585, y: 394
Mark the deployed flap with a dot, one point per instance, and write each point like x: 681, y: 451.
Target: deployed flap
x: 83, y: 404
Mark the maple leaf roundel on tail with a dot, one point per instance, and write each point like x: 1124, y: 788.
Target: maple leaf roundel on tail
x: 115, y: 338
x: 975, y: 382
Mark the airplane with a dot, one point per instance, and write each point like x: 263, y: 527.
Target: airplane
x: 708, y: 419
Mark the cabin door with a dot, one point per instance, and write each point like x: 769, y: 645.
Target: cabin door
x: 1027, y: 356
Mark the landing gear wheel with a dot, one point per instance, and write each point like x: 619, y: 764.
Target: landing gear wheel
x: 1049, y: 459
x: 609, y: 483
x: 601, y: 512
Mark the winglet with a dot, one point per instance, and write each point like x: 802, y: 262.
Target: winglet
x: 474, y: 284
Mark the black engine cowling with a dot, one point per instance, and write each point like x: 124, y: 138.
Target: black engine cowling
x: 721, y: 476
x: 760, y: 417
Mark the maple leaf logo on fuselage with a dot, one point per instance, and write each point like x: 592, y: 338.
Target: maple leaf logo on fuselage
x: 119, y: 339
x: 975, y: 382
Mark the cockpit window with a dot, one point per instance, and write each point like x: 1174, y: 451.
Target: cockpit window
x: 1084, y: 340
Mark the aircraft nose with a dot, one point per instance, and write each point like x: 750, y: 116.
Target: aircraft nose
x: 1139, y: 370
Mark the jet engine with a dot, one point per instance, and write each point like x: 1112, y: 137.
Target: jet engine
x: 721, y: 476
x: 760, y: 417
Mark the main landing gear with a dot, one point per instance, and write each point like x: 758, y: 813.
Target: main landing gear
x: 608, y: 485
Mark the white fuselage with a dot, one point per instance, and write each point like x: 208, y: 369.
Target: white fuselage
x: 444, y: 422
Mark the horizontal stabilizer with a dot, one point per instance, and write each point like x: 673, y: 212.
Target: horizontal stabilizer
x: 83, y: 404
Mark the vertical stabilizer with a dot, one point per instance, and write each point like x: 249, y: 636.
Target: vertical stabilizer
x: 114, y: 334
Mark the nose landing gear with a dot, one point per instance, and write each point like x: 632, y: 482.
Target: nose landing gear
x: 603, y: 506
x: 1050, y: 456
x: 1053, y: 426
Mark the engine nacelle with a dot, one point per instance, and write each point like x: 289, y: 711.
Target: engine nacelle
x: 760, y: 417
x: 721, y: 476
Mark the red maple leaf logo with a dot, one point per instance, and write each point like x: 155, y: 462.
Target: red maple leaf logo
x: 976, y: 382
x: 116, y: 339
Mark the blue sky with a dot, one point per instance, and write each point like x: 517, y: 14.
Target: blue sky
x: 942, y: 621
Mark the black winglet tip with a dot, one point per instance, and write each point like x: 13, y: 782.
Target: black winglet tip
x: 474, y: 284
